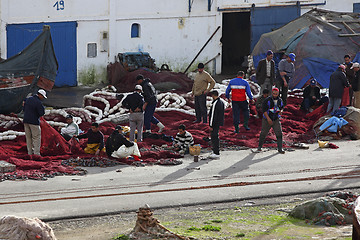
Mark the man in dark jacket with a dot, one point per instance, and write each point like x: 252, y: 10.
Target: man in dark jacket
x: 356, y: 84
x: 95, y: 138
x: 265, y: 72
x: 134, y: 102
x: 216, y: 119
x: 116, y: 140
x: 350, y: 75
x: 272, y: 107
x: 33, y: 110
x: 338, y: 82
x: 311, y: 95
x: 150, y: 103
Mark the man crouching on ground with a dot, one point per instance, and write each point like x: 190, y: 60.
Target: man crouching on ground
x: 183, y: 140
x: 95, y: 138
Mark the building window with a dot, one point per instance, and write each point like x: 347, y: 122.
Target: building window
x: 356, y: 7
x: 135, y: 30
x: 91, y: 50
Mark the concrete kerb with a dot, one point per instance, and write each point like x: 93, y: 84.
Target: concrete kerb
x: 260, y: 197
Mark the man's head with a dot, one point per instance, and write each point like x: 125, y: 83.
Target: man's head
x: 41, y: 94
x: 313, y: 82
x: 269, y: 55
x: 138, y: 88
x: 266, y: 92
x: 291, y: 57
x: 342, y: 67
x: 347, y: 58
x: 214, y: 94
x: 95, y: 127
x: 355, y: 67
x: 139, y: 78
x: 181, y: 129
x: 201, y: 67
x: 240, y: 74
x: 69, y: 119
x: 275, y: 92
x: 119, y: 128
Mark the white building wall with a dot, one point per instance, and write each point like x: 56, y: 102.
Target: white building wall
x: 169, y: 32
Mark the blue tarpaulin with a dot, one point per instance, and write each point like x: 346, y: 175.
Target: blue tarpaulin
x: 320, y: 69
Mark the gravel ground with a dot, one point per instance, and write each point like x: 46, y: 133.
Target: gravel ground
x: 179, y: 219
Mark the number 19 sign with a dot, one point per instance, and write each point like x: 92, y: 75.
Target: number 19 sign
x: 59, y: 5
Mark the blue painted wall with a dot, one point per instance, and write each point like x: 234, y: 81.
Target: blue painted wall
x: 64, y: 40
x: 266, y: 19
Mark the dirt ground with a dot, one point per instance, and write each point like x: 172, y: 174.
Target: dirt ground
x: 258, y: 219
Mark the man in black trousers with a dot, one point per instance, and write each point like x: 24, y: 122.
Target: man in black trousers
x: 216, y: 119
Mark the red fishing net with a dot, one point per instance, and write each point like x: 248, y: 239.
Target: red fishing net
x: 297, y: 127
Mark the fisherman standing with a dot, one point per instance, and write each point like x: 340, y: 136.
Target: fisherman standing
x: 150, y: 104
x: 33, y: 110
x: 203, y: 83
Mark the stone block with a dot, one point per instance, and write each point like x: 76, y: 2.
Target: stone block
x: 6, y: 167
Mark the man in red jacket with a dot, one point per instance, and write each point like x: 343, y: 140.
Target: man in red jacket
x: 239, y: 88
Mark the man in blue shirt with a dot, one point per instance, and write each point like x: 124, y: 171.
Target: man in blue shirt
x: 33, y: 110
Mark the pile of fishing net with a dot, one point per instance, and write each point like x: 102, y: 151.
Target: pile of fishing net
x: 332, y: 209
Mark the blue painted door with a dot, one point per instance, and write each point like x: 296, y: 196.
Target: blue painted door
x: 266, y: 19
x: 63, y: 36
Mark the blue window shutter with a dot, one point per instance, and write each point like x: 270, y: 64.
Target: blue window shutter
x: 135, y: 30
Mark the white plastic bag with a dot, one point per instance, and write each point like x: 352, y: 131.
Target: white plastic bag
x: 124, y: 151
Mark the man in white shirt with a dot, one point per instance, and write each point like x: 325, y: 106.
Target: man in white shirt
x: 72, y: 129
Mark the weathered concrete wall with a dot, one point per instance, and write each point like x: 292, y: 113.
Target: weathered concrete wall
x: 168, y: 31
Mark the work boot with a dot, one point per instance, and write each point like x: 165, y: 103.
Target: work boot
x: 236, y: 128
x: 279, y: 145
x: 161, y: 127
x: 246, y: 123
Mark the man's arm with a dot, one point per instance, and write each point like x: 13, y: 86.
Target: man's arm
x: 212, y: 84
x: 258, y: 70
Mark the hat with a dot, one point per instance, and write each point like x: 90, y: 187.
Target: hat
x: 201, y: 65
x: 355, y: 65
x: 342, y: 66
x: 118, y: 127
x: 313, y: 82
x: 138, y: 87
x: 139, y: 77
x: 69, y: 116
x: 275, y: 89
x: 292, y: 56
x: 269, y: 52
x: 42, y: 92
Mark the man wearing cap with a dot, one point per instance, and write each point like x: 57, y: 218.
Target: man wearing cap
x: 150, y: 103
x: 33, y: 110
x: 338, y: 82
x: 239, y: 89
x: 135, y: 102
x: 203, y: 83
x: 350, y: 75
x: 356, y: 84
x: 286, y: 71
x: 72, y: 129
x: 311, y: 95
x: 265, y: 72
x: 116, y: 140
x: 272, y: 108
